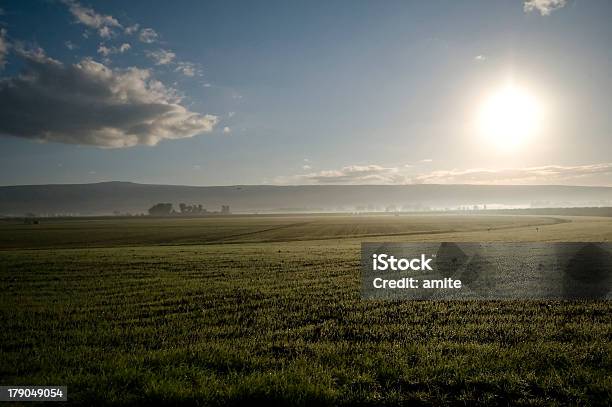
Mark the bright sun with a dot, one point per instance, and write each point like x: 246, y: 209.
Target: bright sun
x: 509, y: 117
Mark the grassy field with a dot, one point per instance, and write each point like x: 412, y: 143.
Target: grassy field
x: 217, y: 311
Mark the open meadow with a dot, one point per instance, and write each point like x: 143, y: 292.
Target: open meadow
x: 228, y: 310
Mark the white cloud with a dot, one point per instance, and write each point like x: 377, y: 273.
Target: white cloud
x: 105, y: 32
x: 131, y: 29
x: 226, y: 130
x: 231, y: 114
x: 106, y: 51
x: 161, y: 56
x: 480, y: 58
x: 89, y: 103
x: 35, y: 54
x: 188, y: 69
x: 148, y: 35
x: 90, y: 18
x: 545, y: 7
x: 306, y: 167
x: 426, y: 160
x: 70, y: 45
x: 4, y: 47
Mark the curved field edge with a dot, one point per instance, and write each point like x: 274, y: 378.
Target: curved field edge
x: 75, y: 233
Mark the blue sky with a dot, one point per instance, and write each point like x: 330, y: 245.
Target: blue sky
x: 287, y: 92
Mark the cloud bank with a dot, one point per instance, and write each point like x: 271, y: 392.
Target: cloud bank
x: 530, y: 175
x: 91, y: 104
x: 594, y: 174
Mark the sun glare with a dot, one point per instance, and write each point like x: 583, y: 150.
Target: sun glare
x: 509, y: 117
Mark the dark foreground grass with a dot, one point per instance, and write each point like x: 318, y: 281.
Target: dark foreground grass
x: 283, y: 323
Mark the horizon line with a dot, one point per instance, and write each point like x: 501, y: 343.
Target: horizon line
x: 302, y: 185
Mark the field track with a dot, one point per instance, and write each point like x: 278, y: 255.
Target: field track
x: 111, y: 232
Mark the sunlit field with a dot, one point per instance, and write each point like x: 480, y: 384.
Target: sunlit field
x: 228, y: 310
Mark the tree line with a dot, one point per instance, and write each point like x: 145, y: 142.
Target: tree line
x: 167, y: 209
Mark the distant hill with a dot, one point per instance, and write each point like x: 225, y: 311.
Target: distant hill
x: 126, y: 197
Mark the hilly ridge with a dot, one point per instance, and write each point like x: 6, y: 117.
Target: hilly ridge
x: 126, y: 197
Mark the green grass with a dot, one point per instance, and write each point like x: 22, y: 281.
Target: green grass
x: 154, y: 319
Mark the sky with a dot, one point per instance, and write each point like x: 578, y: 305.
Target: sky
x: 306, y: 92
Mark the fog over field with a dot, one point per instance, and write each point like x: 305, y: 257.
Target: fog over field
x: 125, y: 197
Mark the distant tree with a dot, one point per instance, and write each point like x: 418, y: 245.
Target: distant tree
x: 161, y: 209
x: 182, y: 207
